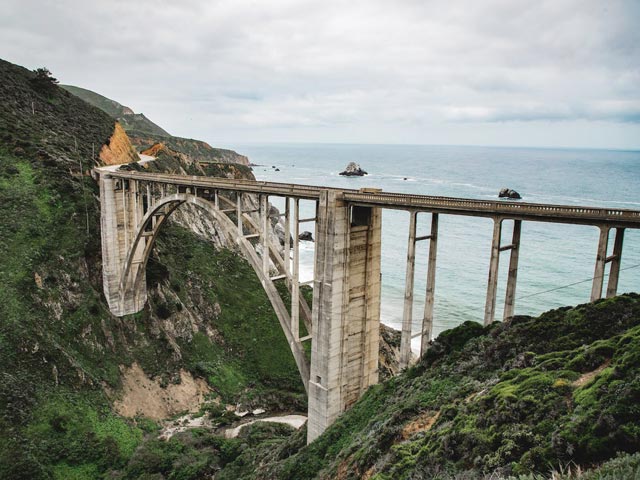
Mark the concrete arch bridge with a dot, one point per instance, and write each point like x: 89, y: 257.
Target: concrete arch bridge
x: 344, y: 320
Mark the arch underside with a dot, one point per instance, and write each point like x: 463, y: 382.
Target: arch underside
x: 133, y: 275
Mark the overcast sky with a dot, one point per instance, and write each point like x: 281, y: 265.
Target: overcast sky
x: 496, y: 72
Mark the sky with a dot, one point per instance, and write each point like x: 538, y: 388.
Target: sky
x: 543, y: 73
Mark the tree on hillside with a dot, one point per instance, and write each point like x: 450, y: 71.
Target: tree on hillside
x: 43, y: 80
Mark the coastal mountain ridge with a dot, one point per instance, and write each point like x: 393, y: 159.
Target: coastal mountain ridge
x: 125, y: 115
x: 144, y: 134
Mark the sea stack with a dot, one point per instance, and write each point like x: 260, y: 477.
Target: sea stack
x: 509, y: 193
x: 353, y: 170
x: 306, y: 236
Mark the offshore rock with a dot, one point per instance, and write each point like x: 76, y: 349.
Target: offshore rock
x: 353, y: 170
x: 306, y: 236
x: 509, y: 193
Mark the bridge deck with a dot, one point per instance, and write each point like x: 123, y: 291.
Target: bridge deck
x: 457, y: 206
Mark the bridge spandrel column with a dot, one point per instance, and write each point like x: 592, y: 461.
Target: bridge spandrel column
x: 346, y: 309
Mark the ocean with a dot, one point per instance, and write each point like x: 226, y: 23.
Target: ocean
x: 556, y: 261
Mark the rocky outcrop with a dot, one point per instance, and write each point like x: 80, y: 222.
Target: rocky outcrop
x: 389, y: 358
x: 306, y: 236
x: 353, y: 170
x: 146, y: 397
x: 118, y: 149
x: 509, y: 193
x: 195, y: 150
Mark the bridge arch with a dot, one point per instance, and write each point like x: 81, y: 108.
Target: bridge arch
x: 133, y: 273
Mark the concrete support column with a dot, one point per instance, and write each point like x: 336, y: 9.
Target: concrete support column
x: 295, y: 277
x: 346, y: 309
x: 510, y: 298
x: 601, y: 259
x: 407, y: 313
x: 614, y: 272
x: 118, y: 213
x: 239, y: 212
x: 492, y: 283
x: 427, y: 319
x: 264, y: 216
x: 287, y: 238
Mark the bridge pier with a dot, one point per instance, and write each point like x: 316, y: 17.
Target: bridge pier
x: 407, y: 313
x: 122, y: 207
x: 492, y: 283
x: 427, y: 318
x: 601, y: 261
x: 346, y: 309
x: 614, y: 270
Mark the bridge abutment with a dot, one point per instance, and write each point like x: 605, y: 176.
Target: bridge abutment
x: 346, y: 309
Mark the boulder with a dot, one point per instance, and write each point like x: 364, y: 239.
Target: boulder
x: 306, y: 236
x: 353, y: 170
x: 509, y: 193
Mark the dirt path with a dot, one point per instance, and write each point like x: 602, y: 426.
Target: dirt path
x: 296, y: 421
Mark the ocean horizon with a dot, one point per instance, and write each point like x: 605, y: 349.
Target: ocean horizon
x: 556, y: 260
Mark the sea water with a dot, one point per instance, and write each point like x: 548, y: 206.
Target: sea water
x: 556, y: 261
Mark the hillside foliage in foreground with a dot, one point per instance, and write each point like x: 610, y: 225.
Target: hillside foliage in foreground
x: 529, y: 396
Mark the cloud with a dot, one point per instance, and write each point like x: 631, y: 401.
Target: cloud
x: 299, y: 67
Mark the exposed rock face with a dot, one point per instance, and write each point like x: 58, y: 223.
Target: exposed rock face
x: 389, y: 359
x: 509, y: 193
x: 118, y: 149
x: 148, y: 398
x: 353, y: 170
x: 306, y: 236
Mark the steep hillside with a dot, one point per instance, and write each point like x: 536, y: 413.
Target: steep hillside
x: 145, y: 134
x: 126, y: 116
x: 64, y: 359
x: 529, y: 396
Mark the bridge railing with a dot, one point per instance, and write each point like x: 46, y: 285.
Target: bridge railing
x: 487, y: 208
x: 471, y: 206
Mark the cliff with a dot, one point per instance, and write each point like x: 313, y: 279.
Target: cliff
x: 118, y: 149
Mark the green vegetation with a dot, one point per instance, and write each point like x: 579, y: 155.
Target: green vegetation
x: 512, y: 399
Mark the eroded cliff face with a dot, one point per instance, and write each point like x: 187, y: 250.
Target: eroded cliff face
x: 118, y: 149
